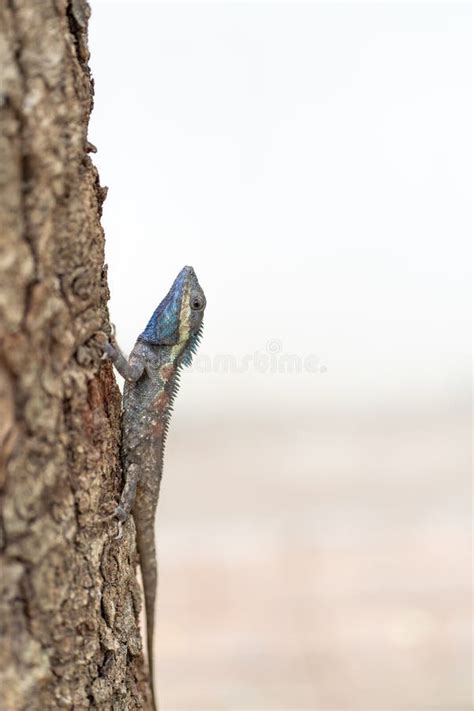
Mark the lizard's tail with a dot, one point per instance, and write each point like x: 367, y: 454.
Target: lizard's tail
x: 147, y: 552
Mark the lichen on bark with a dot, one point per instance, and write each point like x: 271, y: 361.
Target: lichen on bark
x: 69, y: 601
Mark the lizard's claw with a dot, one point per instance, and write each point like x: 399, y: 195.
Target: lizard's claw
x: 109, y: 351
x: 119, y: 531
x: 121, y: 515
x: 105, y: 346
x: 108, y: 344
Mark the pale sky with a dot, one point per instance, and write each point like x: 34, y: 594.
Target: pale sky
x: 312, y: 162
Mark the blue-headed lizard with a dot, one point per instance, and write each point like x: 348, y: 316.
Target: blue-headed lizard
x: 151, y: 381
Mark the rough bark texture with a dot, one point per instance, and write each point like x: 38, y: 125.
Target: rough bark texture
x: 69, y: 600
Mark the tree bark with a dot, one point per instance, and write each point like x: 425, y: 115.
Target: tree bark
x: 69, y: 599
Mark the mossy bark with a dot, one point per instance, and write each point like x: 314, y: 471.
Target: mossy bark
x: 69, y: 600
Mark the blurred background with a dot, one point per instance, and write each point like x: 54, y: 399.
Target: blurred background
x: 312, y: 162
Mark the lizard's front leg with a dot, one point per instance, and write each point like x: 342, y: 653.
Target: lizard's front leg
x: 131, y: 369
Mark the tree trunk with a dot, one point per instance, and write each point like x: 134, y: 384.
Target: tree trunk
x: 69, y: 598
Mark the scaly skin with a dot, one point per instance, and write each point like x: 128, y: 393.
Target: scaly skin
x: 151, y: 382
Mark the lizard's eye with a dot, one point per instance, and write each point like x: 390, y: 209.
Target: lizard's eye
x: 196, y: 303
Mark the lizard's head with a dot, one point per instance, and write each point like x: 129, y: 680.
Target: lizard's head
x: 178, y: 319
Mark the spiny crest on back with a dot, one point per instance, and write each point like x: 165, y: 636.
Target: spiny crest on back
x: 185, y: 301
x: 187, y: 357
x: 185, y: 360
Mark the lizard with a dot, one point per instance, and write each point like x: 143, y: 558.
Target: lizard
x: 151, y: 375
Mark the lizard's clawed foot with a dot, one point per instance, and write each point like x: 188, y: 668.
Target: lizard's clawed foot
x: 119, y: 531
x: 121, y: 516
x: 109, y: 351
x: 108, y: 344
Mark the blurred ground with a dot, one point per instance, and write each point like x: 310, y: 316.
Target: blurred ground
x: 322, y: 563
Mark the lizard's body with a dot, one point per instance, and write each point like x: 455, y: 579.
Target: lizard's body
x: 151, y: 381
